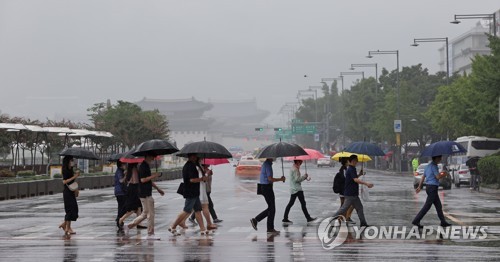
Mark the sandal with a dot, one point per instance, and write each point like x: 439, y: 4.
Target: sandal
x: 173, y: 231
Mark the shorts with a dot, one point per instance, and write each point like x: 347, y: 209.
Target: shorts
x: 192, y: 203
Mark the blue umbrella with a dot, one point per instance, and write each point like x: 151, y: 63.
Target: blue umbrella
x: 365, y: 148
x: 443, y: 148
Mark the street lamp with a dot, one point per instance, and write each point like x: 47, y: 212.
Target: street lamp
x: 392, y: 52
x: 436, y: 39
x: 478, y: 16
x: 353, y: 66
x: 362, y: 73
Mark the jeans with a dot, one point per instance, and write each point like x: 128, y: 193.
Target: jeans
x: 148, y: 211
x: 432, y: 198
x: 356, y: 203
x: 302, y: 200
x: 268, y: 193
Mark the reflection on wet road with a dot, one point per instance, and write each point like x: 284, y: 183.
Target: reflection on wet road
x: 29, y: 232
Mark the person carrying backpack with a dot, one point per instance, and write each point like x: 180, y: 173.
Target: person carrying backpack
x: 339, y: 185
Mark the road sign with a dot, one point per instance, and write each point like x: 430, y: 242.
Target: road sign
x: 316, y: 137
x: 398, y: 127
x: 285, y: 134
x: 302, y: 129
x: 297, y: 121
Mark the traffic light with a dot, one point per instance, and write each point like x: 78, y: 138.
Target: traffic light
x: 278, y: 129
x: 259, y: 129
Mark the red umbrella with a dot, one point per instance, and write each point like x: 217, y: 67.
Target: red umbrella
x: 135, y: 160
x: 215, y: 161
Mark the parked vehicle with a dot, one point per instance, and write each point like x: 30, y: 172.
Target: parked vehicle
x: 461, y: 175
x: 444, y: 182
x: 326, y: 161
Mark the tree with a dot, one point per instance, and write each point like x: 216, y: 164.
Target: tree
x: 470, y: 105
x: 128, y: 123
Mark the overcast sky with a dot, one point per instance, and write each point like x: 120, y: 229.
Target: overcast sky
x: 60, y: 57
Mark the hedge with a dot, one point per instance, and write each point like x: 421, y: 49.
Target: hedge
x: 26, y: 173
x: 6, y: 173
x: 489, y: 169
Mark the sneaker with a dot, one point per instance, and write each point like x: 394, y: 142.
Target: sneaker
x: 286, y: 221
x: 141, y: 227
x: 173, y: 231
x: 254, y: 223
x: 350, y: 221
x: 445, y: 224
x: 192, y: 221
x: 152, y: 237
x: 311, y: 219
x: 217, y: 220
x: 365, y: 225
x: 273, y: 232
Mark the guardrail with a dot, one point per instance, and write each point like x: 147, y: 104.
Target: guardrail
x: 25, y: 189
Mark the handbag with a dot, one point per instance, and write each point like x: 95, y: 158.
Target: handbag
x: 73, y: 186
x: 180, y: 190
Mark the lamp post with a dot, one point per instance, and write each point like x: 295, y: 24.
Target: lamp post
x: 493, y: 17
x: 328, y: 106
x: 354, y: 66
x: 362, y: 73
x: 393, y: 52
x: 437, y: 39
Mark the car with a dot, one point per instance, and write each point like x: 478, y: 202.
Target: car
x: 248, y: 168
x: 325, y: 161
x: 461, y: 175
x: 247, y: 157
x: 444, y: 182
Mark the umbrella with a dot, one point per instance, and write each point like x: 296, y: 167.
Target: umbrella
x: 361, y: 157
x: 215, y: 161
x: 281, y: 149
x: 311, y: 154
x: 443, y: 148
x: 155, y: 147
x: 78, y: 152
x: 366, y: 148
x: 115, y: 157
x: 205, y: 149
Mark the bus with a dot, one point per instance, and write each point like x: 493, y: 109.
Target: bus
x: 476, y: 146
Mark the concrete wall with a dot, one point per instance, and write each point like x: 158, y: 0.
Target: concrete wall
x: 54, y: 186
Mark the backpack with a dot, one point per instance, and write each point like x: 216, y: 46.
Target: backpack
x: 338, y: 183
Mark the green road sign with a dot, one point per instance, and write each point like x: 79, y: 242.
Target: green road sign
x: 284, y: 134
x: 302, y: 129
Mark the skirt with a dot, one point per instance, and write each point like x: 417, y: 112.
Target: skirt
x: 70, y: 205
x: 133, y: 202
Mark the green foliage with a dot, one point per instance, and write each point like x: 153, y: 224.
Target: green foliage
x: 26, y: 173
x: 6, y: 173
x: 57, y: 176
x: 489, y: 169
x: 128, y: 123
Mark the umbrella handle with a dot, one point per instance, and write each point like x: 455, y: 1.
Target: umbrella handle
x: 282, y: 169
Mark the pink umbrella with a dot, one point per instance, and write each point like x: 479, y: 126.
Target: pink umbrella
x: 311, y: 154
x: 215, y: 161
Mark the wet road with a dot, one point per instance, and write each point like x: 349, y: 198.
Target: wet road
x: 28, y: 228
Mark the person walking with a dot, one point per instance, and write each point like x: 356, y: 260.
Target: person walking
x: 351, y: 191
x: 146, y: 185
x: 69, y: 197
x: 132, y: 202
x: 191, y: 176
x: 297, y: 192
x: 339, y: 187
x: 209, y: 174
x: 431, y: 177
x: 120, y: 191
x: 266, y: 185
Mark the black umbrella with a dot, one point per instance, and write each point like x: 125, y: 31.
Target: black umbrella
x: 281, y: 149
x: 364, y: 148
x: 155, y: 147
x: 115, y: 157
x: 78, y: 152
x: 205, y: 149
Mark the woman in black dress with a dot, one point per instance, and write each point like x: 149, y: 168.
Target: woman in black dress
x: 70, y: 205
